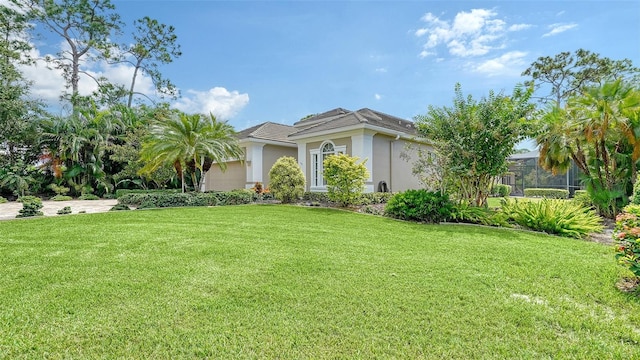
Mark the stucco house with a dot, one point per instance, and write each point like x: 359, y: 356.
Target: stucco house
x: 379, y: 138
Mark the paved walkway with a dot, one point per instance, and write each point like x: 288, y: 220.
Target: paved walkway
x: 50, y: 208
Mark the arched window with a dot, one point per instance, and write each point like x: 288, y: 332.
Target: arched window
x: 325, y: 150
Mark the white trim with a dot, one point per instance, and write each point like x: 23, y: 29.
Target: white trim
x: 266, y: 142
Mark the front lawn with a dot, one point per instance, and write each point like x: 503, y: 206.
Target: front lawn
x: 294, y: 282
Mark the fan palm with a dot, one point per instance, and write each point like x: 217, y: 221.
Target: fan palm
x: 190, y: 143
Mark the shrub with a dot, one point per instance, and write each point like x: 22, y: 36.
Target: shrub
x: 559, y: 217
x: 286, y: 180
x: 31, y: 206
x: 635, y: 197
x: 89, y: 197
x: 375, y: 198
x: 501, y: 190
x: 627, y: 238
x: 420, y: 205
x: 119, y: 207
x: 168, y: 199
x: 466, y: 213
x: 121, y: 192
x: 65, y: 210
x: 3, y: 200
x: 318, y: 197
x: 547, y: 193
x: 61, y: 198
x: 59, y: 189
x: 345, y: 178
x: 582, y: 198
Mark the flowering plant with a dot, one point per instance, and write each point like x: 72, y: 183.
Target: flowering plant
x: 627, y: 238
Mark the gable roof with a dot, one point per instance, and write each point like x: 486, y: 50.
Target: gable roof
x: 268, y: 131
x: 340, y: 118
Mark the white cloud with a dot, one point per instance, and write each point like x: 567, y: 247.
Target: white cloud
x: 469, y: 34
x: 509, y: 64
x: 377, y: 96
x: 381, y: 70
x: 559, y: 28
x: 518, y: 27
x: 218, y: 100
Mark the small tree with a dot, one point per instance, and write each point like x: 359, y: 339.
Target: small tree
x: 476, y: 138
x: 345, y: 178
x: 286, y: 180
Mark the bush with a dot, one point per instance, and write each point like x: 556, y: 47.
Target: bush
x: 375, y: 198
x: 3, y: 200
x: 501, y: 190
x: 59, y: 189
x: 627, y: 238
x: 286, y: 180
x: 582, y: 198
x: 547, y: 193
x: 466, y: 213
x: 119, y: 207
x: 89, y: 197
x: 318, y: 197
x: 65, y: 210
x: 345, y: 178
x: 420, y: 205
x: 559, y: 217
x: 169, y: 199
x: 61, y: 198
x: 31, y: 206
x: 121, y: 192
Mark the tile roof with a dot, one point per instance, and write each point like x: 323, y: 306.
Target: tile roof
x: 339, y: 118
x: 268, y: 131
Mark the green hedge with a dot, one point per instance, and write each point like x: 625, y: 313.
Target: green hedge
x: 121, y: 192
x: 547, y: 193
x: 365, y: 199
x: 169, y: 199
x: 501, y: 190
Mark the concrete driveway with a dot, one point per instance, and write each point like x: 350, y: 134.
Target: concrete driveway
x: 50, y: 208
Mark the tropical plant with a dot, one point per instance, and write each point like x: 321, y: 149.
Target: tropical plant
x: 190, y: 143
x: 598, y: 131
x: 345, y: 178
x: 559, y: 217
x: 286, y: 180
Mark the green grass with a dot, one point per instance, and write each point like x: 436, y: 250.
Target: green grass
x: 292, y: 282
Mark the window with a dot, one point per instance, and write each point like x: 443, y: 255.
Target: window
x: 327, y: 149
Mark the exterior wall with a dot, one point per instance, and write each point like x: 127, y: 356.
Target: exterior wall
x: 233, y: 178
x: 270, y: 154
x: 402, y: 177
x: 381, y: 162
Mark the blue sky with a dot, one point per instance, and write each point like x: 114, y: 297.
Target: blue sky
x: 254, y: 61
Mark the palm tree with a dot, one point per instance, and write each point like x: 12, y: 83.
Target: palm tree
x: 190, y: 143
x: 598, y: 131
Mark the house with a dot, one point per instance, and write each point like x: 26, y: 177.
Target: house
x: 385, y: 141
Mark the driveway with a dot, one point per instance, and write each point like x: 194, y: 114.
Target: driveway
x: 50, y: 208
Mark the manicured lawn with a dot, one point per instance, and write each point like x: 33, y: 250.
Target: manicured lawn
x: 292, y: 282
